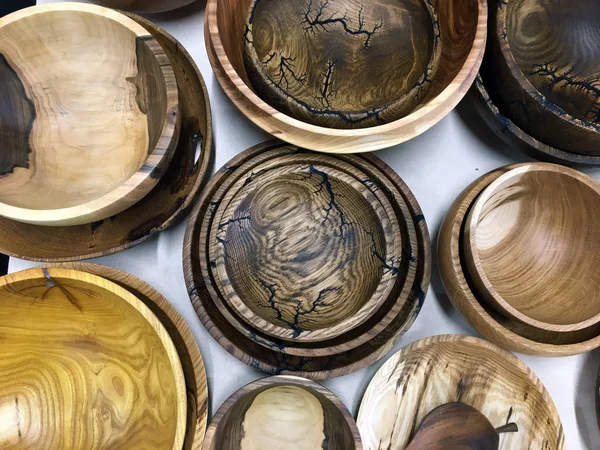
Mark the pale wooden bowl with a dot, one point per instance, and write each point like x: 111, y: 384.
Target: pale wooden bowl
x: 91, y: 122
x: 463, y: 33
x: 532, y: 247
x: 85, y: 364
x: 282, y: 412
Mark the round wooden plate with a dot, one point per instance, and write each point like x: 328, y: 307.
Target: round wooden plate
x: 454, y: 368
x: 144, y: 6
x: 156, y: 211
x: 283, y: 412
x: 79, y: 349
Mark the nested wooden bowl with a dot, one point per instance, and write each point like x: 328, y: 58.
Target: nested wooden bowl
x: 546, y: 57
x: 85, y: 364
x: 283, y: 412
x: 144, y: 6
x: 90, y: 124
x: 463, y: 34
x: 454, y: 368
x: 532, y: 245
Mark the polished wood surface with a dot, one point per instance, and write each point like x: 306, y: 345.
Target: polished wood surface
x: 171, y: 197
x: 504, y: 331
x: 78, y: 349
x: 144, y: 6
x: 463, y: 33
x: 283, y: 412
x: 53, y: 173
x: 531, y: 247
x: 342, y: 63
x: 453, y: 368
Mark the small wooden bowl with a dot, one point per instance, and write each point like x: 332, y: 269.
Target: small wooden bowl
x: 463, y: 33
x: 87, y: 136
x: 316, y: 62
x: 80, y: 354
x: 454, y: 368
x: 547, y: 74
x: 144, y: 6
x: 283, y: 412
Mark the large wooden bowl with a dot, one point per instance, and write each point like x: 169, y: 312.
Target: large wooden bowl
x: 453, y: 368
x: 88, y: 125
x: 463, y: 34
x: 144, y: 6
x: 532, y: 247
x: 85, y: 364
x: 283, y: 412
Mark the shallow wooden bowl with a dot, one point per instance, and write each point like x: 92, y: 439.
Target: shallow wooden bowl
x: 340, y: 63
x: 90, y: 124
x: 144, y: 6
x: 283, y: 412
x: 85, y: 364
x: 532, y: 247
x: 547, y: 71
x: 454, y: 368
x: 463, y: 34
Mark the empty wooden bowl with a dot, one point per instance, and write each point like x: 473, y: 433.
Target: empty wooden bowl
x: 283, y: 412
x: 532, y: 247
x: 89, y: 124
x: 144, y: 6
x: 85, y: 364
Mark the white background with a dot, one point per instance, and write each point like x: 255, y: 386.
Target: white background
x: 437, y: 166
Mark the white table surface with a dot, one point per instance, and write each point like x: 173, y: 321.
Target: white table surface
x: 437, y: 166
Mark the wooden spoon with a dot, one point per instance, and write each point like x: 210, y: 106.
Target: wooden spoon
x: 460, y: 427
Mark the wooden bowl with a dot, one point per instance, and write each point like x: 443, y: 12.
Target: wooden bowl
x: 454, y: 368
x: 158, y: 210
x: 548, y: 74
x: 76, y: 156
x: 463, y: 33
x: 85, y: 351
x: 530, y: 247
x: 341, y: 65
x: 283, y: 412
x: 504, y: 331
x: 144, y: 6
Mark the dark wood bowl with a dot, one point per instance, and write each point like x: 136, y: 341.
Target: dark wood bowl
x: 144, y: 6
x: 546, y: 69
x: 86, y: 137
x: 282, y: 412
x: 341, y: 63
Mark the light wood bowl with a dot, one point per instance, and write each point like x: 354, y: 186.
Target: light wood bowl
x: 531, y: 247
x: 85, y: 364
x: 463, y: 33
x: 547, y: 74
x: 171, y: 197
x: 75, y: 156
x: 283, y: 412
x: 144, y: 6
x: 453, y: 368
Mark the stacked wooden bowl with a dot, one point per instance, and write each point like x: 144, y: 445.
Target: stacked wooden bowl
x: 304, y: 263
x: 86, y: 174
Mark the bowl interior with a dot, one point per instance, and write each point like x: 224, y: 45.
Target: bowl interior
x: 85, y: 103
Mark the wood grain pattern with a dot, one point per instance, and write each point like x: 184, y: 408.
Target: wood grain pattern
x: 171, y: 197
x: 144, y: 6
x: 85, y: 351
x: 463, y: 32
x: 504, y: 331
x: 283, y: 412
x: 454, y: 368
x: 54, y: 173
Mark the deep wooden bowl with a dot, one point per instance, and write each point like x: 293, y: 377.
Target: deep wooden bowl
x: 90, y: 123
x: 504, y: 331
x: 283, y: 412
x: 144, y: 6
x: 339, y: 64
x: 454, y: 368
x: 532, y: 247
x: 463, y: 33
x: 546, y: 57
x: 78, y: 349
x: 171, y: 197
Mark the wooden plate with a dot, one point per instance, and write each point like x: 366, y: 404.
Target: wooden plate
x: 53, y: 173
x: 454, y: 368
x: 78, y: 349
x: 283, y: 412
x: 155, y: 212
x: 144, y: 6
